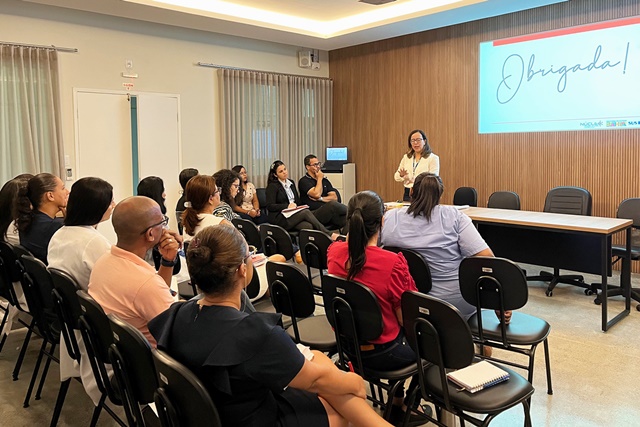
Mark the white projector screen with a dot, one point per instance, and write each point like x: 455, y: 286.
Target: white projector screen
x: 579, y: 78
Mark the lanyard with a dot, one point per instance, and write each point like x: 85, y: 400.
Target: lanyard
x: 415, y: 165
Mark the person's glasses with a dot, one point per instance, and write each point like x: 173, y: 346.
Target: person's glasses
x: 163, y: 223
x: 316, y: 165
x: 417, y: 140
x: 216, y: 192
x: 235, y: 185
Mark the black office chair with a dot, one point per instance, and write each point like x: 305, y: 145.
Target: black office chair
x: 441, y: 337
x: 134, y: 370
x: 504, y: 200
x: 292, y: 295
x: 10, y: 275
x: 67, y: 308
x: 250, y: 232
x: 418, y: 268
x: 499, y: 284
x: 11, y: 257
x: 97, y: 337
x: 37, y: 287
x: 572, y: 201
x: 276, y: 240
x: 354, y: 313
x: 465, y: 196
x: 314, y: 245
x: 628, y: 209
x: 181, y: 399
x: 253, y: 288
x: 262, y: 200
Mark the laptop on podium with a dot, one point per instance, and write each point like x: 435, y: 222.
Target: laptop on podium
x: 336, y: 158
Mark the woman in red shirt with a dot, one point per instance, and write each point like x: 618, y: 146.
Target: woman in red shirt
x: 386, y: 274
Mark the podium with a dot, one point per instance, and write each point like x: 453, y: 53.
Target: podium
x: 345, y: 181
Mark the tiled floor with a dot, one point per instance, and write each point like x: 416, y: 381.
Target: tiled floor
x: 596, y: 375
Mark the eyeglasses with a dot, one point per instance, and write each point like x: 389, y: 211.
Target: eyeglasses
x: 316, y: 165
x: 216, y: 192
x: 164, y: 222
x: 235, y: 185
x: 417, y: 140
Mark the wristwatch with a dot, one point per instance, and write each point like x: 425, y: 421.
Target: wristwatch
x: 166, y: 263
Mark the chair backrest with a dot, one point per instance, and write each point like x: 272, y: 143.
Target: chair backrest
x: 6, y: 284
x: 37, y: 287
x: 353, y: 311
x: 97, y: 336
x: 250, y: 232
x: 338, y: 195
x: 133, y: 367
x: 262, y: 200
x: 493, y: 283
x: 452, y: 344
x: 314, y: 245
x: 465, y: 196
x: 276, y: 240
x: 418, y: 267
x: 253, y: 288
x: 181, y: 399
x: 291, y: 292
x: 13, y: 269
x: 504, y: 200
x: 630, y: 209
x: 438, y: 334
x: 568, y: 200
x: 67, y: 307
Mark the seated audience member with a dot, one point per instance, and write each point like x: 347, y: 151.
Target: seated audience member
x: 122, y: 282
x: 317, y: 192
x: 228, y: 183
x: 443, y: 235
x: 153, y: 188
x: 246, y: 201
x: 76, y: 247
x: 39, y: 202
x: 185, y: 176
x: 281, y: 195
x: 202, y: 197
x: 253, y: 370
x: 387, y: 275
x: 9, y: 208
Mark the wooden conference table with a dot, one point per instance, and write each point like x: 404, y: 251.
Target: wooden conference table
x: 571, y: 242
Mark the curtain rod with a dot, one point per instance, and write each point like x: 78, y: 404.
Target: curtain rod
x: 226, y: 67
x: 56, y: 48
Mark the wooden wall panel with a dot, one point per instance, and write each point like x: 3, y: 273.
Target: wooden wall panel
x: 429, y: 81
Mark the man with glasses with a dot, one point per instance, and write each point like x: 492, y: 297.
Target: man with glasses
x: 317, y: 192
x: 122, y: 282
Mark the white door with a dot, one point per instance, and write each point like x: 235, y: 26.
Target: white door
x: 104, y: 143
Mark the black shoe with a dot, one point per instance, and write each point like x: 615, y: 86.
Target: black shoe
x: 397, y: 417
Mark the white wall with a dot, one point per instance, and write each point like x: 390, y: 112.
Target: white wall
x: 163, y: 56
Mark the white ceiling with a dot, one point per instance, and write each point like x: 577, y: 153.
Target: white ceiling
x: 316, y: 24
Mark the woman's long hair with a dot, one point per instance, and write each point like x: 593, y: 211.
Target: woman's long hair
x: 89, y: 199
x: 153, y: 187
x: 197, y: 193
x: 31, y: 197
x: 273, y: 176
x: 213, y: 258
x: 426, y: 150
x: 224, y: 179
x: 427, y: 191
x: 240, y: 196
x: 9, y: 202
x: 364, y: 215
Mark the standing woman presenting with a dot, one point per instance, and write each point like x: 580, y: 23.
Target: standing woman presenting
x: 418, y: 159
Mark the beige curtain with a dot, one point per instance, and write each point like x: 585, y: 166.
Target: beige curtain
x: 30, y: 125
x: 267, y: 117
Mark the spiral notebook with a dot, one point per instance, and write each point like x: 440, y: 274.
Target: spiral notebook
x: 478, y: 376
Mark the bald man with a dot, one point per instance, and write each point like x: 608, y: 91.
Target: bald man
x: 121, y: 281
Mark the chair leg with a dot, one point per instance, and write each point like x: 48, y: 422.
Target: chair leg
x: 97, y: 410
x: 62, y: 394
x: 36, y: 369
x: 4, y: 321
x: 527, y: 413
x: 548, y: 366
x: 45, y: 371
x: 23, y: 350
x: 4, y: 338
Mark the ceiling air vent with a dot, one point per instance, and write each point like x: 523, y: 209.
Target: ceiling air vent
x: 376, y: 2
